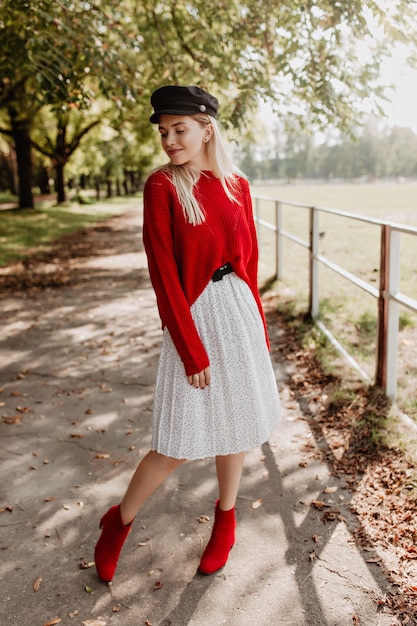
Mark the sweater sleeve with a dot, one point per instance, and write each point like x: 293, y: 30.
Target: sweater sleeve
x: 173, y: 307
x: 252, y: 265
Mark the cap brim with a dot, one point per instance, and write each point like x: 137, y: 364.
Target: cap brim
x: 154, y: 119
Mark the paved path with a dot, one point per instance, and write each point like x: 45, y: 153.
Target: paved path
x: 76, y: 375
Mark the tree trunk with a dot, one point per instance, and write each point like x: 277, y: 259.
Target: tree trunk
x: 125, y: 183
x: 61, y: 157
x: 21, y: 136
x: 97, y: 186
x: 60, y: 186
x: 12, y: 172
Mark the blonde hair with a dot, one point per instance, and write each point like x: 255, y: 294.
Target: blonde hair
x: 184, y: 177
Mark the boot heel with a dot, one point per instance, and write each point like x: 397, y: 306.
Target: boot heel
x: 110, y: 543
x: 221, y: 542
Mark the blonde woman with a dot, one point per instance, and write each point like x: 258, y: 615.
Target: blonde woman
x: 215, y: 393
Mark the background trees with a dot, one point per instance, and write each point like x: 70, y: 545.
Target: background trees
x: 376, y: 152
x: 68, y: 67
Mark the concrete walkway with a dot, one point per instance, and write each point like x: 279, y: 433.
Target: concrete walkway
x: 77, y: 372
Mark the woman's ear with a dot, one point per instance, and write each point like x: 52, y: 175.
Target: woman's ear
x: 209, y: 133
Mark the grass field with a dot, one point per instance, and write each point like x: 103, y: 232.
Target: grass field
x: 23, y: 231
x: 348, y: 311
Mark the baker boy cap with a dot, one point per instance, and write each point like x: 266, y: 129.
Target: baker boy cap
x: 176, y: 100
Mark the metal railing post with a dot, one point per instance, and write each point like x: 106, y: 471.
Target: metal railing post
x: 388, y: 311
x: 278, y: 241
x: 313, y: 307
x: 258, y: 216
x: 381, y: 361
x: 390, y: 386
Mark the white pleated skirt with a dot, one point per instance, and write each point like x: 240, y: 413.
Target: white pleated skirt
x: 240, y: 408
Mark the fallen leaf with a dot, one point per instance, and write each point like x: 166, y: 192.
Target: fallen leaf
x: 85, y: 565
x: 22, y: 376
x: 203, y: 519
x: 102, y: 455
x: 94, y: 622
x: 73, y: 614
x: 6, y: 508
x: 87, y: 590
x: 257, y: 503
x: 116, y: 609
x: 23, y: 409
x: 330, y: 490
x: 76, y: 436
x: 11, y: 419
x: 37, y: 583
x: 53, y: 621
x: 89, y: 411
x: 332, y: 516
x: 158, y: 584
x: 318, y: 504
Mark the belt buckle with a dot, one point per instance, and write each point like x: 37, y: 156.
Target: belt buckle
x: 220, y: 272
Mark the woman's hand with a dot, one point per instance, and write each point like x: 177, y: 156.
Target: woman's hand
x: 200, y: 380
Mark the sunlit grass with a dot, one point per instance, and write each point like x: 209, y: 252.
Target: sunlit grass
x: 24, y: 231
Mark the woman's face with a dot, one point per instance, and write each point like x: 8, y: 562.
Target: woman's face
x: 184, y: 140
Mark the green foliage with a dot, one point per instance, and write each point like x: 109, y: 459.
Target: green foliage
x: 68, y: 55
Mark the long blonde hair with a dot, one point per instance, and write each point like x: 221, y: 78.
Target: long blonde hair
x: 184, y: 177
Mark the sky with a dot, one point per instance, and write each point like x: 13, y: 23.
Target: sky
x: 403, y: 109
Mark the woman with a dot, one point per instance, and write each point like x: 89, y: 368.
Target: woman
x: 215, y: 393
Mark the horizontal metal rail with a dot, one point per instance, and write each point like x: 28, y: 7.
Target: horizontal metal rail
x: 388, y: 294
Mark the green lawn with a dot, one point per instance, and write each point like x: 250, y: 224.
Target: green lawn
x: 26, y: 230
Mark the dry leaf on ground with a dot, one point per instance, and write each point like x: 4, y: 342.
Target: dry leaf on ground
x: 37, y: 583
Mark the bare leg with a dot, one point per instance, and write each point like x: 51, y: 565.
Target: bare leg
x: 151, y: 472
x: 229, y: 470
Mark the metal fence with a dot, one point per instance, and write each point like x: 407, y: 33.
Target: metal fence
x: 387, y: 294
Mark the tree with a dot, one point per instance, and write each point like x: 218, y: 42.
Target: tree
x: 61, y: 140
x: 302, y: 56
x: 61, y: 54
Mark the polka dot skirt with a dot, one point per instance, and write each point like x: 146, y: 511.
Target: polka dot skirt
x: 240, y: 408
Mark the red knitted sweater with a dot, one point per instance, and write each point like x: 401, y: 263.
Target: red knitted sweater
x: 182, y: 258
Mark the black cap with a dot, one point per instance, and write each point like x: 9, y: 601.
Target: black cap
x: 176, y: 100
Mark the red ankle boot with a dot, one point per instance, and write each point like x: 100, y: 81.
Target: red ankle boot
x: 111, y: 541
x: 221, y: 541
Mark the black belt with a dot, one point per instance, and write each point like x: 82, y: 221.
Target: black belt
x: 222, y: 271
